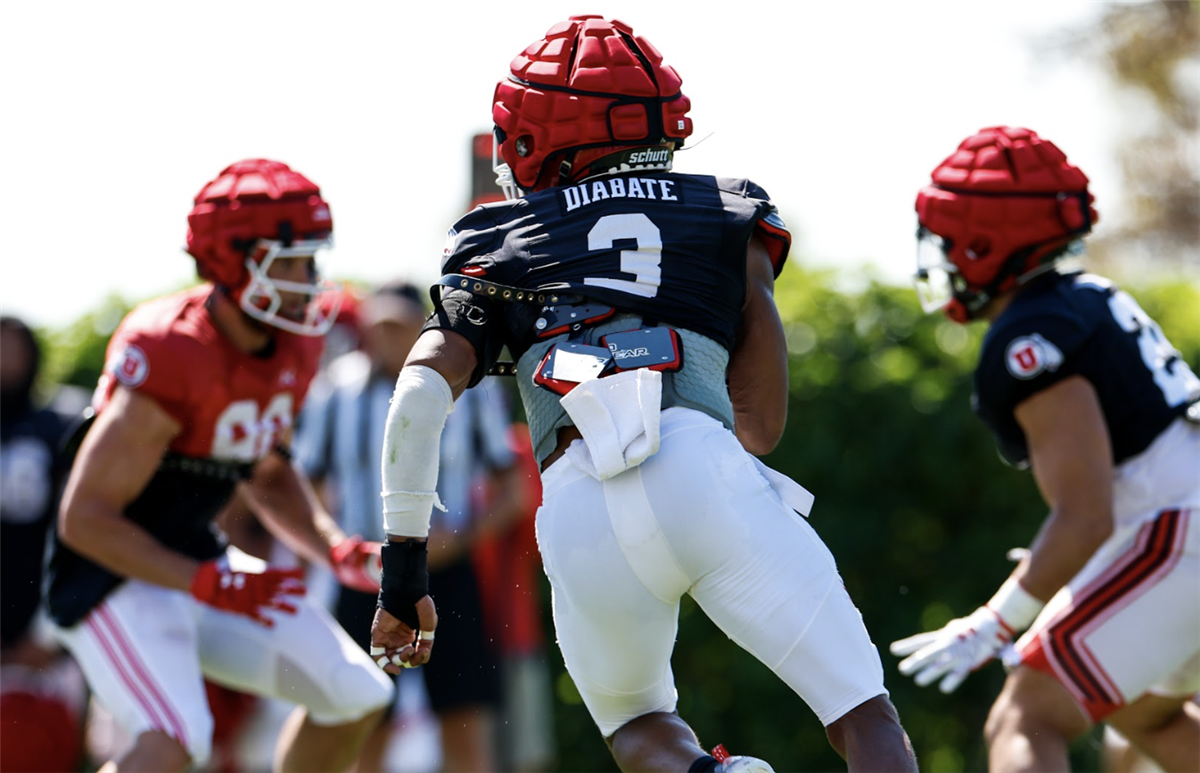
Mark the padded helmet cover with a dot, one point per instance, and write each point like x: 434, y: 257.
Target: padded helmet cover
x: 251, y: 200
x: 588, y: 83
x: 1004, y: 190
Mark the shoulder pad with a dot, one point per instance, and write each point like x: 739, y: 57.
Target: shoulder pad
x: 473, y: 235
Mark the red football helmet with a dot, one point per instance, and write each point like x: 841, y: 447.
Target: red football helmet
x: 589, y: 85
x: 1001, y: 210
x: 255, y: 212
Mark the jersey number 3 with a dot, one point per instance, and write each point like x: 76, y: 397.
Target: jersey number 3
x: 644, y: 262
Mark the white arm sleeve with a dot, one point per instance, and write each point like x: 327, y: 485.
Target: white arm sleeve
x: 411, y: 443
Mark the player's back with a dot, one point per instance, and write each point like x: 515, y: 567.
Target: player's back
x: 667, y: 247
x: 642, y: 250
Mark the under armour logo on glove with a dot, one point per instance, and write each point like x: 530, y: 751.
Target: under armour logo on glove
x: 248, y: 593
x: 357, y: 564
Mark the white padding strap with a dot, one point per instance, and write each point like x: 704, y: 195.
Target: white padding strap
x: 411, y: 442
x: 789, y: 491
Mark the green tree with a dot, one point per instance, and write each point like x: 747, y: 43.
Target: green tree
x: 75, y: 353
x: 1150, y: 52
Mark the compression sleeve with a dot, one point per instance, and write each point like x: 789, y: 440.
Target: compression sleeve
x: 411, y: 443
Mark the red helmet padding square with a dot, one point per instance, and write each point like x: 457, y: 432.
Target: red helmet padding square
x: 628, y: 122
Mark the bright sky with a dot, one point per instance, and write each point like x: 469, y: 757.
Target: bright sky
x: 113, y: 114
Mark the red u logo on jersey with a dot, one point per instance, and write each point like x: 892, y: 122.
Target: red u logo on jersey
x: 1028, y: 356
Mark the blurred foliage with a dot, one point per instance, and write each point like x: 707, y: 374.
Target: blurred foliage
x: 1151, y: 51
x: 911, y: 498
x: 75, y: 354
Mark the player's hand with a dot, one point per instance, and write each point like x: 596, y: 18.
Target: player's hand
x: 955, y: 650
x: 356, y: 564
x: 396, y: 645
x: 248, y: 593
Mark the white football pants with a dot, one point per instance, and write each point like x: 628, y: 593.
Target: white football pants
x: 1129, y: 623
x: 146, y: 651
x: 697, y: 518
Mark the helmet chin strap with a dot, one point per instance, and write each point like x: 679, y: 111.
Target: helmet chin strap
x: 564, y: 168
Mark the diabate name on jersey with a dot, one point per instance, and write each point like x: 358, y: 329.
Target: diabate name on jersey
x: 657, y: 189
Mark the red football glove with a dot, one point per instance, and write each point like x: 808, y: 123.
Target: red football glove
x: 247, y: 593
x: 356, y: 564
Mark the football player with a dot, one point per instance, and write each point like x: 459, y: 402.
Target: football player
x: 42, y: 695
x: 1077, y: 383
x: 652, y: 363
x: 197, y: 400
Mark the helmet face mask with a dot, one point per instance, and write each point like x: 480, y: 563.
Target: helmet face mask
x: 504, y: 176
x: 934, y: 277
x: 263, y: 296
x: 252, y: 214
x: 1002, y: 209
x: 590, y: 88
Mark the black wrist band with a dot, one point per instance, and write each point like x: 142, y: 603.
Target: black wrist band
x: 405, y: 580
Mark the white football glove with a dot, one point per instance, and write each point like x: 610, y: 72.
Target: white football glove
x: 955, y: 650
x: 965, y: 644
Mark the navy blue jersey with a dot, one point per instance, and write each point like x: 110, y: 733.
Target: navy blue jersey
x: 670, y: 248
x: 1081, y: 325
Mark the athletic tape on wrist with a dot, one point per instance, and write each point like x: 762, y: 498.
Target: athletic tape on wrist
x: 382, y: 660
x: 1015, y: 606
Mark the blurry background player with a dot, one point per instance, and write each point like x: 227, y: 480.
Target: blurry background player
x: 339, y: 445
x: 611, y: 263
x: 1078, y: 384
x: 246, y: 727
x: 42, y: 695
x: 198, y: 400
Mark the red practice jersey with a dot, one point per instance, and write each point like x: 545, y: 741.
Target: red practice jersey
x: 231, y: 405
x: 232, y: 408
